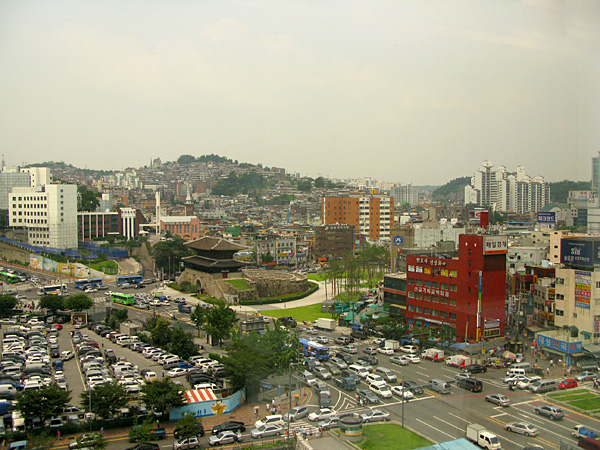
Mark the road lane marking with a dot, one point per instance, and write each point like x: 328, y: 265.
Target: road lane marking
x: 551, y: 444
x: 448, y: 423
x: 459, y: 417
x: 436, y: 429
x: 498, y: 415
x: 504, y: 438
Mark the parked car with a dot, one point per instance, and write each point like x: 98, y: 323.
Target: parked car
x: 586, y: 376
x: 400, y: 360
x: 185, y: 444
x: 367, y: 396
x: 230, y: 425
x: 414, y: 359
x: 349, y: 349
x: 410, y: 349
x: 370, y: 350
x: 567, y: 384
x: 330, y: 422
x: 225, y: 437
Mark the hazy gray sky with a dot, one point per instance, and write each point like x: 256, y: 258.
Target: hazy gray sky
x: 402, y: 91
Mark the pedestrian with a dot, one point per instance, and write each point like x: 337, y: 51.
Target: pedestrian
x: 547, y: 370
x: 256, y: 411
x: 278, y: 409
x: 157, y: 424
x: 58, y: 434
x: 273, y: 402
x: 268, y: 408
x: 102, y: 430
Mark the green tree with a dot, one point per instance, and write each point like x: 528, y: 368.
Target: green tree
x: 106, y: 399
x: 320, y: 182
x: 142, y: 432
x: 189, y: 426
x: 43, y: 403
x: 304, y: 185
x: 182, y: 344
x: 78, y: 302
x: 168, y: 253
x: 161, y: 395
x: 245, y: 363
x: 266, y: 257
x: 3, y: 219
x: 89, y: 199
x: 42, y: 441
x: 161, y: 333
x: 7, y: 304
x: 219, y: 323
x: 198, y: 316
x: 186, y: 159
x: 52, y: 302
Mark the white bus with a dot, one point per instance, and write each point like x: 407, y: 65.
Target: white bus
x: 54, y: 289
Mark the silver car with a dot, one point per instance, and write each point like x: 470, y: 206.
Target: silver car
x: 266, y: 431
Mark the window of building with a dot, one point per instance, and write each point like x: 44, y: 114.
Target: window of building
x: 469, y: 275
x: 411, y: 281
x: 453, y: 288
x: 560, y: 281
x: 427, y: 297
x: 427, y: 283
x: 411, y: 307
x: 452, y: 316
x: 560, y: 297
x: 435, y: 299
x: 436, y: 270
x: 469, y: 252
x: 435, y: 312
x: 411, y: 294
x: 443, y: 300
x: 574, y: 315
x: 443, y: 314
x: 418, y: 296
x: 469, y: 289
x: 444, y: 286
x: 435, y: 284
x: 426, y: 311
x: 469, y: 263
x: 418, y: 282
x: 452, y: 302
x: 419, y: 309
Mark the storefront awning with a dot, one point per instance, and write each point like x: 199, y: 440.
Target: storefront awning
x: 594, y: 349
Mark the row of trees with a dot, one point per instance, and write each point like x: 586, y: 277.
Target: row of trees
x: 349, y: 274
x: 172, y: 338
x: 75, y: 302
x: 104, y: 400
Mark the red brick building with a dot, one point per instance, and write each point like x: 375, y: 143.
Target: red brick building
x: 446, y: 292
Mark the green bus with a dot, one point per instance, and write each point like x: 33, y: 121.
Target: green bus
x: 123, y: 299
x: 9, y: 277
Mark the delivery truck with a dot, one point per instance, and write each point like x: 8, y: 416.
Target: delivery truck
x: 458, y: 361
x: 325, y: 324
x: 482, y: 437
x: 433, y: 354
x: 392, y: 343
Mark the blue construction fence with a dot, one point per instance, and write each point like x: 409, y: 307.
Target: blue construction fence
x: 89, y: 249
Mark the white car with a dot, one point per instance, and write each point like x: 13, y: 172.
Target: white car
x: 525, y: 383
x: 381, y: 390
x: 410, y: 349
x: 413, y: 359
x: 401, y: 392
x: 386, y: 350
x: 176, y: 372
x: 321, y: 414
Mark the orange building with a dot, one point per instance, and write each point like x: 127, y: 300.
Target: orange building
x: 372, y: 213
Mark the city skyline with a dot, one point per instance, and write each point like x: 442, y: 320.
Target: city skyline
x: 404, y: 92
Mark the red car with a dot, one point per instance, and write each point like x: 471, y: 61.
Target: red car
x: 58, y: 326
x: 567, y: 384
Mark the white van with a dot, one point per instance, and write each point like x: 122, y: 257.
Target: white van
x: 276, y: 419
x: 525, y: 366
x: 123, y: 340
x: 440, y: 386
x: 512, y: 371
x: 359, y: 370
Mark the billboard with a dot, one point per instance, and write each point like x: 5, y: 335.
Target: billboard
x: 559, y: 345
x: 494, y: 245
x: 580, y: 195
x: 546, y: 217
x: 583, y: 289
x: 579, y: 252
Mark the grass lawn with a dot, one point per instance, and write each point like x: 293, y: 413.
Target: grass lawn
x: 559, y: 394
x: 589, y: 404
x: 107, y: 267
x: 240, y: 284
x: 391, y: 436
x: 308, y: 313
x: 577, y: 395
x: 315, y: 276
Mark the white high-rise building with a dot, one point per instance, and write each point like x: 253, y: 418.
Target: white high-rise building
x: 47, y: 212
x: 496, y: 188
